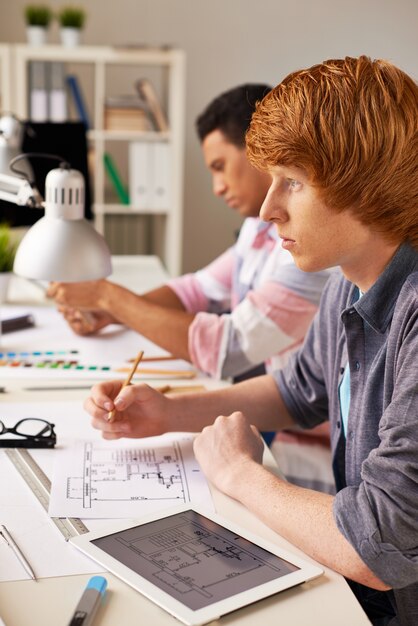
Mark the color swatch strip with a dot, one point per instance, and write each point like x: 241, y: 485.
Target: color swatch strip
x: 5, y: 355
x: 52, y: 364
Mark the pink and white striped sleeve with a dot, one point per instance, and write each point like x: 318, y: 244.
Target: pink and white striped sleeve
x: 265, y: 327
x: 209, y: 289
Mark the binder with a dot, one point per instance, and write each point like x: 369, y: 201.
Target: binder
x: 149, y: 175
x: 160, y: 192
x: 140, y: 174
x: 78, y: 98
x: 115, y: 178
x: 38, y: 91
x: 57, y: 93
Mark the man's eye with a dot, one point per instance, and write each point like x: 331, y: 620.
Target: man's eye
x: 294, y: 184
x: 217, y: 166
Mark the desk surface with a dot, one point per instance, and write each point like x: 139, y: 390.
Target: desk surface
x: 139, y: 273
x: 325, y: 601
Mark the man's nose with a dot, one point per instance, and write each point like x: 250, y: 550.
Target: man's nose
x: 219, y: 185
x: 274, y: 208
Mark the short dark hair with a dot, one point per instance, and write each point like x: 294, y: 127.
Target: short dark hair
x: 231, y: 112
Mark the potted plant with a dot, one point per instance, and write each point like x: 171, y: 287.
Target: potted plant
x: 71, y: 20
x: 38, y: 18
x: 8, y: 249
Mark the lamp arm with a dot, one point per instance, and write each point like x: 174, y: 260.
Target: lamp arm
x: 19, y: 191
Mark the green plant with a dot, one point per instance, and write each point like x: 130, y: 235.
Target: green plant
x: 7, y: 249
x: 72, y: 17
x: 38, y: 15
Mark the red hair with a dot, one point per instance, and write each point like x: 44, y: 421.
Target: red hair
x: 351, y: 124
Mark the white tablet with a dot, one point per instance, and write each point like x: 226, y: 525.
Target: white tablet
x: 194, y: 564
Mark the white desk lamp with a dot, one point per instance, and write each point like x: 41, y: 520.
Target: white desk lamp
x: 62, y: 245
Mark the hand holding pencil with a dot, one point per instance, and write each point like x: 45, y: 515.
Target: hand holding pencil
x: 111, y: 416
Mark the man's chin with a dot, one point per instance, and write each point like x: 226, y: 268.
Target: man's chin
x: 245, y: 211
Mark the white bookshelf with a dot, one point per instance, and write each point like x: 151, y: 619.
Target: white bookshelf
x: 167, y: 229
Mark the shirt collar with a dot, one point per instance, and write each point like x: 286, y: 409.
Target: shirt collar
x: 377, y: 304
x: 265, y: 232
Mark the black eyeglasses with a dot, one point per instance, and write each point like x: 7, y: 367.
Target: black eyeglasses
x: 31, y: 432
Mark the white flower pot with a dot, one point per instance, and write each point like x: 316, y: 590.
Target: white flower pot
x: 4, y: 285
x: 36, y: 35
x: 70, y: 37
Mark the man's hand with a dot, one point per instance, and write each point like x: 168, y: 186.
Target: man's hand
x: 80, y: 304
x: 227, y: 449
x: 141, y: 411
x: 88, y: 294
x: 85, y: 322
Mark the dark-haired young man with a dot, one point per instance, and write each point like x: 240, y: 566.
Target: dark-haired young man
x: 250, y: 306
x: 340, y: 140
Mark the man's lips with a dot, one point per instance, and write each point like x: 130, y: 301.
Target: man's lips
x: 286, y: 238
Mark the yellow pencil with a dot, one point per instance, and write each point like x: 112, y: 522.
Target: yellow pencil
x: 160, y: 372
x: 168, y: 357
x: 180, y: 389
x: 111, y: 416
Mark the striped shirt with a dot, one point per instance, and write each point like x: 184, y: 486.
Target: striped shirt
x: 252, y: 304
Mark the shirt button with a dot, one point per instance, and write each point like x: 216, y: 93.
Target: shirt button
x: 338, y: 424
x: 357, y: 365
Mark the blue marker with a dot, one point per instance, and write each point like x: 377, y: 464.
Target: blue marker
x: 89, y: 602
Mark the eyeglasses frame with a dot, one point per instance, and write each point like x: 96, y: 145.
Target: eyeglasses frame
x: 28, y: 441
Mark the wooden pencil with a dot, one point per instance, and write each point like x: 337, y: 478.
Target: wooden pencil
x: 166, y: 357
x: 180, y: 388
x: 158, y: 372
x: 111, y: 416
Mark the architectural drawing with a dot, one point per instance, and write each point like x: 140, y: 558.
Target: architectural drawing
x: 194, y: 559
x: 95, y: 479
x: 130, y: 474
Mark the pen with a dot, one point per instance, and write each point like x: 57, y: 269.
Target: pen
x: 89, y: 602
x: 127, y: 382
x: 13, y: 545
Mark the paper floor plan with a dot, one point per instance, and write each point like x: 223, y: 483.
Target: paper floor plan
x: 130, y: 474
x: 104, y: 479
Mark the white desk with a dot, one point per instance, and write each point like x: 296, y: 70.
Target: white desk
x: 326, y: 601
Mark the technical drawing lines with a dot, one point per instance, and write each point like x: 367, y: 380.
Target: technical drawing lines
x: 129, y: 474
x: 191, y: 557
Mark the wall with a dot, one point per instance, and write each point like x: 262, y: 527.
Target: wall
x: 231, y: 41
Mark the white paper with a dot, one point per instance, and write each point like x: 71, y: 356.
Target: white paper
x: 112, y: 348
x: 126, y: 478
x: 20, y: 511
x: 27, y: 521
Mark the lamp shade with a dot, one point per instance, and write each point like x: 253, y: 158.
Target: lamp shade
x: 63, y: 250
x: 62, y: 245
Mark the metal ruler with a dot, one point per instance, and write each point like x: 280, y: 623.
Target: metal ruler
x: 40, y: 486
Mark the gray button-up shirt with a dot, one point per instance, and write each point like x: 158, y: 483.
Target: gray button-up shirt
x: 376, y: 467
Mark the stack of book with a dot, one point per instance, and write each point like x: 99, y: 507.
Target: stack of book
x: 151, y: 102
x: 126, y: 113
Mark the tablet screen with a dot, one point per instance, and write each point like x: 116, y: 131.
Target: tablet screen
x: 194, y: 559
